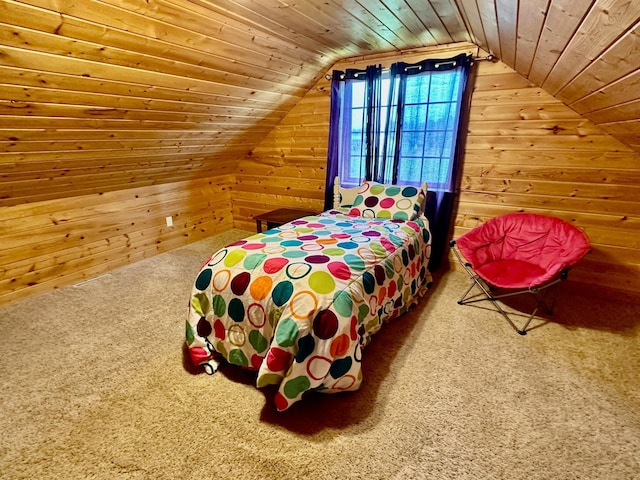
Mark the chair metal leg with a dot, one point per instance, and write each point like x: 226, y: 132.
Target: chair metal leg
x: 464, y: 296
x: 539, y: 295
x: 486, y: 294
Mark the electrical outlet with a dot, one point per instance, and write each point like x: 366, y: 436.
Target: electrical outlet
x: 169, y: 221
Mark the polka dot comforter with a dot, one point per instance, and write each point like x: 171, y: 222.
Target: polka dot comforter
x: 298, y: 303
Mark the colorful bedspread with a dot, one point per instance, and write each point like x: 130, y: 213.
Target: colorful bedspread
x: 299, y: 302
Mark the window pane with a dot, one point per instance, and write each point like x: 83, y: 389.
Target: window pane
x: 357, y: 93
x: 448, y: 147
x: 356, y: 144
x: 430, y: 170
x: 443, y: 86
x: 417, y: 89
x: 438, y: 116
x: 435, y: 144
x: 412, y: 144
x: 357, y: 120
x: 410, y: 170
x: 454, y: 113
x: 414, y: 117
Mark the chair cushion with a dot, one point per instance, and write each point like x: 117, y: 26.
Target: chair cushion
x: 511, y: 273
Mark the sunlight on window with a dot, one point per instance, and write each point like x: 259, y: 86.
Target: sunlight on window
x: 429, y: 127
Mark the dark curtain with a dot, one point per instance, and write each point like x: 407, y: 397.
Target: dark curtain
x: 445, y: 200
x: 334, y: 136
x: 372, y: 107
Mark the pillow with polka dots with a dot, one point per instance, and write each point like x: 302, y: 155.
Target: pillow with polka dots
x: 398, y: 202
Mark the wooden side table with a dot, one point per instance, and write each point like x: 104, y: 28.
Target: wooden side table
x: 279, y: 217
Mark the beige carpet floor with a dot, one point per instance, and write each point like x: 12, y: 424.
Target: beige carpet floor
x: 95, y: 385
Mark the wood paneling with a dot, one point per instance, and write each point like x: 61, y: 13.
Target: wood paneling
x: 584, y: 52
x: 103, y: 96
x: 48, y: 244
x: 525, y: 151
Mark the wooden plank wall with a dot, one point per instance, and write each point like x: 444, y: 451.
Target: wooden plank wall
x: 91, y: 100
x: 525, y: 151
x: 48, y: 244
x: 288, y: 168
x: 101, y: 103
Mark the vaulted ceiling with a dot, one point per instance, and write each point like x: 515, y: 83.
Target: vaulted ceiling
x: 584, y: 52
x: 165, y: 89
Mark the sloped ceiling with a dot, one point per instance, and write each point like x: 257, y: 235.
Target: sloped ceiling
x: 98, y: 95
x: 584, y: 52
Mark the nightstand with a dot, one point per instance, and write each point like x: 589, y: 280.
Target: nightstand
x: 279, y: 217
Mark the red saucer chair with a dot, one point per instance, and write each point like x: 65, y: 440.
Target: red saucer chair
x: 516, y: 254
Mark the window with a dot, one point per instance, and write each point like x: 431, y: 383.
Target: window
x: 429, y: 122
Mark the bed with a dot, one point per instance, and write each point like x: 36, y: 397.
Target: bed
x: 298, y: 303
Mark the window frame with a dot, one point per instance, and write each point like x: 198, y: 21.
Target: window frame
x: 352, y: 172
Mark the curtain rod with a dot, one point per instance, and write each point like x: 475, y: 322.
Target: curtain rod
x: 488, y: 58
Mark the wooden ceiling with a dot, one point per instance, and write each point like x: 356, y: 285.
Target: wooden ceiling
x: 584, y: 52
x: 165, y: 88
